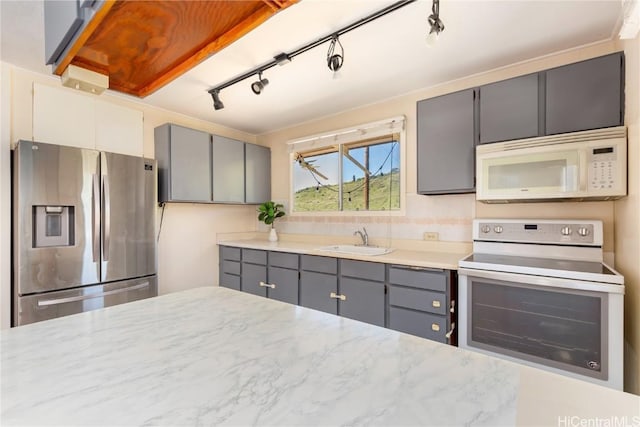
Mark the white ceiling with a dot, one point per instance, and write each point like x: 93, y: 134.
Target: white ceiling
x: 383, y: 59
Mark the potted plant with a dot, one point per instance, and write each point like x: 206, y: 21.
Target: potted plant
x: 268, y: 213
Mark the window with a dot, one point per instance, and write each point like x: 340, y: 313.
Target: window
x: 354, y: 170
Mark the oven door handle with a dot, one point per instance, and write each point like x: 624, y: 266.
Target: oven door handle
x: 552, y: 282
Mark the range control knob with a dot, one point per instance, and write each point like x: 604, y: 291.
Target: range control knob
x: 497, y: 229
x: 583, y: 231
x: 566, y: 231
x: 485, y: 229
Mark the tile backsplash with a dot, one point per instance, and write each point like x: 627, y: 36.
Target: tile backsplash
x: 450, y: 216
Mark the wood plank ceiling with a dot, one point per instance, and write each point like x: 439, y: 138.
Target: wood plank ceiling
x: 143, y: 45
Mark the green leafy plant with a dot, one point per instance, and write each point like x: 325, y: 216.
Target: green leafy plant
x: 269, y: 211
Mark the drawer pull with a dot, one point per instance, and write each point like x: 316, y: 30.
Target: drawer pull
x: 336, y: 296
x: 448, y: 334
x: 435, y: 327
x: 266, y: 285
x: 435, y: 303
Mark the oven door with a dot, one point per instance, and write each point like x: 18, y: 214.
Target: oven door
x: 544, y: 322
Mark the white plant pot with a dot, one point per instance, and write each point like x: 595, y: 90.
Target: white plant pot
x: 273, y: 236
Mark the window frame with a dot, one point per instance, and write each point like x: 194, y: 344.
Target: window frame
x: 346, y: 136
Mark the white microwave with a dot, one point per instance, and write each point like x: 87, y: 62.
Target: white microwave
x: 589, y: 165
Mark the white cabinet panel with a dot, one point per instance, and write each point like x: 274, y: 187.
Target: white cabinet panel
x: 118, y: 129
x: 63, y: 117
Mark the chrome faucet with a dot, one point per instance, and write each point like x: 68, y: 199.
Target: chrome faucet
x: 363, y: 235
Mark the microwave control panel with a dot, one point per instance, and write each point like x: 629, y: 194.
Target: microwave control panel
x: 603, y: 165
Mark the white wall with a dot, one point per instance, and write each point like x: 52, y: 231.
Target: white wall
x: 627, y: 221
x: 187, y: 253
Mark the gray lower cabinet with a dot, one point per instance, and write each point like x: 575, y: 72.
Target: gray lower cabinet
x: 510, y: 109
x: 254, y: 272
x: 229, y: 267
x: 421, y: 303
x: 446, y: 143
x: 362, y: 285
x: 414, y: 300
x: 184, y: 164
x: 283, y: 277
x: 228, y: 169
x: 585, y: 95
x: 318, y: 281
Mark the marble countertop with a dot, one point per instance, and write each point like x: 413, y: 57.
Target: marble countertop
x: 214, y: 356
x: 430, y: 259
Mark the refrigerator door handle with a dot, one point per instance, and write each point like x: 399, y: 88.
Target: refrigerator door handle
x: 107, y: 218
x: 44, y: 303
x: 95, y: 198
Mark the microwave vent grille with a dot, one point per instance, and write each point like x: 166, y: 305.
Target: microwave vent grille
x: 591, y: 135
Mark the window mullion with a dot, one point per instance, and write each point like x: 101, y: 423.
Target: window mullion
x: 340, y: 150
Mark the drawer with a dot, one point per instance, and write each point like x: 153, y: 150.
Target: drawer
x: 432, y: 280
x: 231, y: 267
x: 230, y: 281
x: 425, y: 325
x: 321, y: 264
x: 362, y: 269
x: 284, y: 260
x: 432, y: 302
x: 254, y: 256
x: 230, y: 253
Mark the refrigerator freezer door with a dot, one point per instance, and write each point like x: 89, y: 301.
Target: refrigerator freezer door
x: 34, y: 308
x: 56, y: 212
x: 128, y: 216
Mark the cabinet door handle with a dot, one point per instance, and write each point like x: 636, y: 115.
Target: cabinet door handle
x: 435, y: 303
x: 336, y: 296
x: 448, y: 334
x: 271, y: 285
x: 435, y: 327
x: 262, y: 284
x: 453, y: 306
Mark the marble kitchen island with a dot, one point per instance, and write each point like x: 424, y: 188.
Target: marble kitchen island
x: 214, y: 356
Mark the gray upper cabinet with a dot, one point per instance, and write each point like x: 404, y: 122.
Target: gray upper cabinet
x: 184, y: 164
x: 64, y: 21
x: 228, y: 169
x: 446, y: 143
x: 509, y: 109
x: 194, y: 166
x: 257, y: 174
x: 585, y: 95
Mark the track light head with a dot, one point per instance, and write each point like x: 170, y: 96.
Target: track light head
x: 335, y: 60
x: 217, y: 104
x: 435, y: 24
x: 259, y: 85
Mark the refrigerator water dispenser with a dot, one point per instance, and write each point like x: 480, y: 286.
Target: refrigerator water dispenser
x: 53, y: 226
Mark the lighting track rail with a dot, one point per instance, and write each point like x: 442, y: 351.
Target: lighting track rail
x: 283, y: 58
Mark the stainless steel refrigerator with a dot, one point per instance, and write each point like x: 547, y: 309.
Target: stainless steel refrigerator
x: 83, y: 230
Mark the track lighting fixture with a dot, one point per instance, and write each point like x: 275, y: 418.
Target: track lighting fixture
x: 217, y: 104
x: 335, y: 60
x: 257, y: 86
x: 436, y: 25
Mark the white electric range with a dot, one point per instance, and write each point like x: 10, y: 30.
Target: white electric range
x: 538, y: 292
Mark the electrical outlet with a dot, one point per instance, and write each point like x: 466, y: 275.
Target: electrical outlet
x: 431, y: 235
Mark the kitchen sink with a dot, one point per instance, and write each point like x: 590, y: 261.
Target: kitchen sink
x: 356, y: 249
